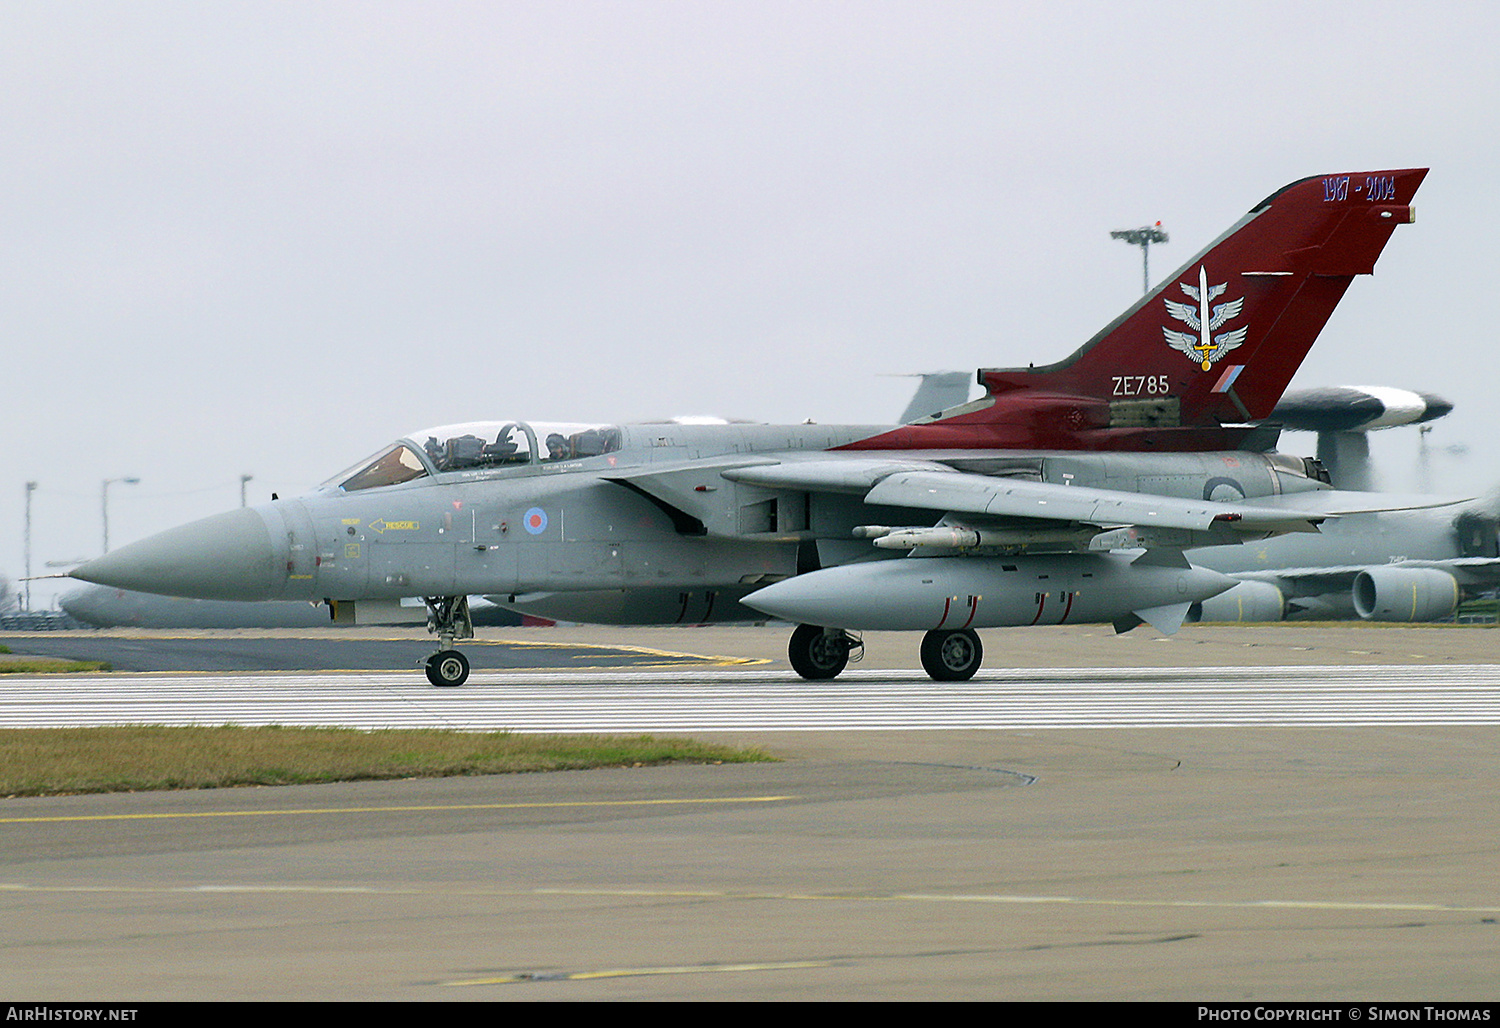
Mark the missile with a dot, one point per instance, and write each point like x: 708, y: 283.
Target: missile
x: 923, y: 593
x: 942, y: 537
x: 958, y: 537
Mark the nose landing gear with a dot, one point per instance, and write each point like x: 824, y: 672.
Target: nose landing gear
x: 448, y: 618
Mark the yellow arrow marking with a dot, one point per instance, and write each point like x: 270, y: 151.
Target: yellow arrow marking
x: 382, y: 525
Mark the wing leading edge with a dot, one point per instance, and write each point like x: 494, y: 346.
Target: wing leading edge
x: 931, y: 486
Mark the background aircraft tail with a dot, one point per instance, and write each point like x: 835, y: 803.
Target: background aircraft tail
x: 1213, y: 346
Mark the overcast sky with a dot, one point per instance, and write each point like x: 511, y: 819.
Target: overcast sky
x: 266, y: 238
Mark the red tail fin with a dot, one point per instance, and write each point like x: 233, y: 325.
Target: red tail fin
x: 1216, y: 345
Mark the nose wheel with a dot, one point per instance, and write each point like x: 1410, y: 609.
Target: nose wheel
x: 448, y: 618
x: 447, y: 668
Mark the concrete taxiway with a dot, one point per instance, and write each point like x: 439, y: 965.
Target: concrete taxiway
x: 1187, y: 863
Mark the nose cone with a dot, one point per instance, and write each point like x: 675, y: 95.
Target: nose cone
x: 226, y: 557
x: 798, y: 600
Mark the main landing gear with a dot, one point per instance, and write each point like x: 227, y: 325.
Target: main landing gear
x: 448, y: 619
x: 952, y: 656
x: 821, y: 653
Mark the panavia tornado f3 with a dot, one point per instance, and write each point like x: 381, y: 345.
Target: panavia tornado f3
x: 1068, y: 493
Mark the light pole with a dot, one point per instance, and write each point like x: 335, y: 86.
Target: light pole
x: 30, y: 488
x: 243, y: 480
x: 104, y: 503
x: 1143, y: 237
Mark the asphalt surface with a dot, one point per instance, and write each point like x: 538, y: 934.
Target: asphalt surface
x: 394, y: 649
x: 312, y: 650
x: 1339, y: 864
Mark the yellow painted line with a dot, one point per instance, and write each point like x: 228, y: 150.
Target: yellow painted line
x: 634, y: 972
x: 669, y: 655
x: 1348, y: 906
x: 399, y: 810
x: 669, y: 658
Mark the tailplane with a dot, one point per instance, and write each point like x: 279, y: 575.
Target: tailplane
x: 1213, y: 346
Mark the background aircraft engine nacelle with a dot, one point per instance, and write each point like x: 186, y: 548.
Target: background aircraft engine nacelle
x: 1405, y: 594
x: 1248, y: 601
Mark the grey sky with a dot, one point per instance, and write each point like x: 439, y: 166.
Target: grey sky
x: 266, y: 238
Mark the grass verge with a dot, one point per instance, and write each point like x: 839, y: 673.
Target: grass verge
x: 53, y: 761
x: 49, y: 666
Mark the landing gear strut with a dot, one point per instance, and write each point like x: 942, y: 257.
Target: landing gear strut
x: 821, y: 653
x: 951, y: 656
x: 448, y: 619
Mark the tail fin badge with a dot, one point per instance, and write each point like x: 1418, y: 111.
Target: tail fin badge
x: 1204, y: 348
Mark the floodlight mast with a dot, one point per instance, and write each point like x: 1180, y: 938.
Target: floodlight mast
x: 104, y: 503
x: 30, y: 488
x: 1143, y: 237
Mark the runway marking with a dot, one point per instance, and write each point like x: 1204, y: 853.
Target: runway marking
x: 398, y: 810
x: 1347, y: 906
x: 736, y: 699
x: 673, y: 658
x: 635, y: 972
x: 666, y: 658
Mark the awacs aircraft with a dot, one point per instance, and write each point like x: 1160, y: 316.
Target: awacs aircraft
x: 1413, y: 565
x: 999, y: 512
x: 1344, y: 416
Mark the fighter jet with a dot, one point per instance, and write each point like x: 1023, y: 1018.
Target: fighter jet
x: 1004, y: 511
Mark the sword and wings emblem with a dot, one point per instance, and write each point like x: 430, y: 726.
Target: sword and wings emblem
x: 1204, y: 347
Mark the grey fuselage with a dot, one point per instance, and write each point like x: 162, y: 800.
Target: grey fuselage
x: 649, y: 532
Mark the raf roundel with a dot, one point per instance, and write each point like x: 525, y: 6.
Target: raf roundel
x: 535, y: 521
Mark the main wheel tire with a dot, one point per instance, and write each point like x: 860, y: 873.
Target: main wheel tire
x: 447, y: 669
x: 951, y: 656
x: 816, y: 654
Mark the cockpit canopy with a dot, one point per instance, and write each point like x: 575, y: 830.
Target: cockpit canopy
x: 474, y: 446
